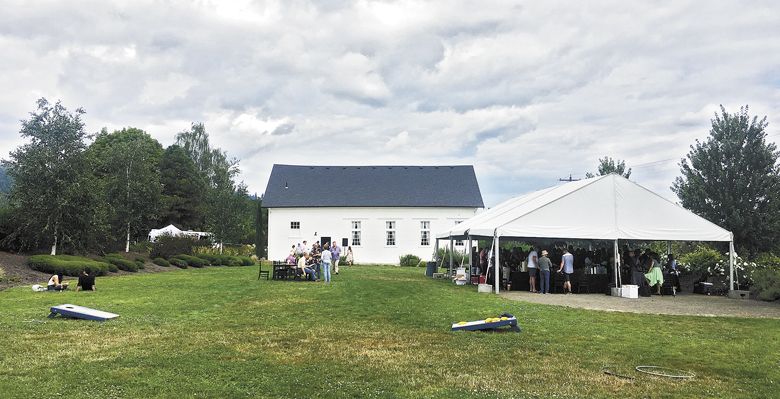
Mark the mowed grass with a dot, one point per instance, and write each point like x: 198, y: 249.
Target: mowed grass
x: 375, y: 332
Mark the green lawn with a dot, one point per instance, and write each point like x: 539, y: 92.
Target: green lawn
x: 376, y: 332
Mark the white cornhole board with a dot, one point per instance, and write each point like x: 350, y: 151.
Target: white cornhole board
x: 80, y: 312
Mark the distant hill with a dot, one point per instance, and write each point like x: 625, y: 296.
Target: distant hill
x: 5, y: 181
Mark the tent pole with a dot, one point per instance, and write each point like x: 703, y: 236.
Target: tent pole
x: 616, y: 264
x: 452, y: 253
x: 497, y: 262
x: 436, y: 252
x: 731, y: 263
x: 668, y: 248
x: 471, y: 266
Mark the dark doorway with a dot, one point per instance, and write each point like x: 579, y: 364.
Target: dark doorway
x: 324, y: 240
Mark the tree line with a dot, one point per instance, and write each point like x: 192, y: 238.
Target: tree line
x: 94, y: 193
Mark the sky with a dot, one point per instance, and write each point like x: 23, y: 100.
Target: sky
x: 528, y: 92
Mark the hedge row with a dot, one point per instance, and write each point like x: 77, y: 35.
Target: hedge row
x: 68, y: 265
x: 122, y: 263
x: 161, y: 262
x: 180, y: 263
x: 227, y: 260
x: 190, y: 260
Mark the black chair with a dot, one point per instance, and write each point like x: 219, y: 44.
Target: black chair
x: 558, y: 281
x: 262, y: 272
x: 583, y: 282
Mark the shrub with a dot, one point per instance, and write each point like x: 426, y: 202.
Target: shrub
x: 766, y: 284
x: 143, y: 247
x: 68, y: 265
x: 161, y: 262
x: 444, y: 254
x: 193, y: 261
x: 246, y: 260
x: 409, y: 260
x: 213, y: 260
x: 141, y: 264
x: 178, y: 263
x: 232, y: 250
x: 140, y: 259
x: 121, y: 263
x: 168, y: 246
x: 703, y: 260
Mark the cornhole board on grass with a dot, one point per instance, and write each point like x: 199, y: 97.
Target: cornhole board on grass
x: 81, y: 312
x: 479, y: 325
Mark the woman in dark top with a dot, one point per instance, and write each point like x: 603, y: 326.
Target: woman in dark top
x: 86, y: 282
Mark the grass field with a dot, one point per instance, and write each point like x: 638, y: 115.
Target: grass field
x: 375, y: 332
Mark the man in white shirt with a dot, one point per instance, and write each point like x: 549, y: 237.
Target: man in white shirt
x: 533, y: 265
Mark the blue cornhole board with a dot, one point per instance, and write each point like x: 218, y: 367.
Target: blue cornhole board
x: 480, y: 325
x: 80, y: 312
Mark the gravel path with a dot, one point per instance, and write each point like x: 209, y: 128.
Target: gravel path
x: 682, y: 304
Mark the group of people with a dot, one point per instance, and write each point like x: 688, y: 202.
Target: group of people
x: 647, y: 269
x: 543, y: 264
x: 644, y: 269
x: 316, y: 262
x: 86, y: 282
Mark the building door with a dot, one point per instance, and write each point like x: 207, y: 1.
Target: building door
x: 324, y: 240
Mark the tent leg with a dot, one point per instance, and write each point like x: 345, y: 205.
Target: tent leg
x: 495, y: 266
x: 452, y: 253
x: 668, y: 248
x: 471, y: 267
x: 731, y: 264
x: 616, y: 264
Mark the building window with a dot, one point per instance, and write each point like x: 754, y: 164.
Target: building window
x: 295, y: 225
x: 390, y: 233
x: 425, y: 233
x: 356, y: 229
x: 458, y: 243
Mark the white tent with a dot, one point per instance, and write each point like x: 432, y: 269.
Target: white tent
x: 169, y: 230
x: 601, y: 208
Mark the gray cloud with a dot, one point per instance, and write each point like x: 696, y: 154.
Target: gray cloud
x: 526, y: 92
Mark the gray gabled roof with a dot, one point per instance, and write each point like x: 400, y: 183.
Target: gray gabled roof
x: 372, y: 186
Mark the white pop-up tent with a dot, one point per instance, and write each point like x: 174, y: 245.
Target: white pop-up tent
x: 607, y: 207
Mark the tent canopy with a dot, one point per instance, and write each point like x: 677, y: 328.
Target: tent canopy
x: 607, y: 207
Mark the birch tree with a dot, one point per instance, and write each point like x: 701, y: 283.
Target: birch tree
x: 49, y: 175
x: 127, y: 163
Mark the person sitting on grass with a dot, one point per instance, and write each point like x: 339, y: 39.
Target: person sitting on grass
x: 306, y: 271
x: 86, y: 282
x: 56, y: 283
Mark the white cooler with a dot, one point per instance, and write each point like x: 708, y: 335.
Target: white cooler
x: 630, y: 291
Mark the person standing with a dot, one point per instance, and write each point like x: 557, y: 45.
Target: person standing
x: 532, y: 266
x: 335, y: 252
x: 326, y: 260
x: 544, y: 273
x: 567, y: 266
x: 350, y: 256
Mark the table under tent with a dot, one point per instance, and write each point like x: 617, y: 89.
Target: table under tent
x: 604, y: 208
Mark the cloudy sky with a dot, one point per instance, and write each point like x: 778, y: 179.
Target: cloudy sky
x: 528, y: 92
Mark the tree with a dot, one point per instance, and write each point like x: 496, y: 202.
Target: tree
x: 183, y: 190
x: 127, y: 163
x: 51, y: 184
x: 608, y: 165
x: 195, y: 142
x: 732, y: 180
x: 5, y: 181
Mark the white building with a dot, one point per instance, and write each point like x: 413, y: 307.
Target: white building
x: 382, y: 212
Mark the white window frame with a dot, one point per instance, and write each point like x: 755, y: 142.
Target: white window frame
x: 356, y: 232
x: 425, y: 233
x: 458, y: 243
x: 390, y: 233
